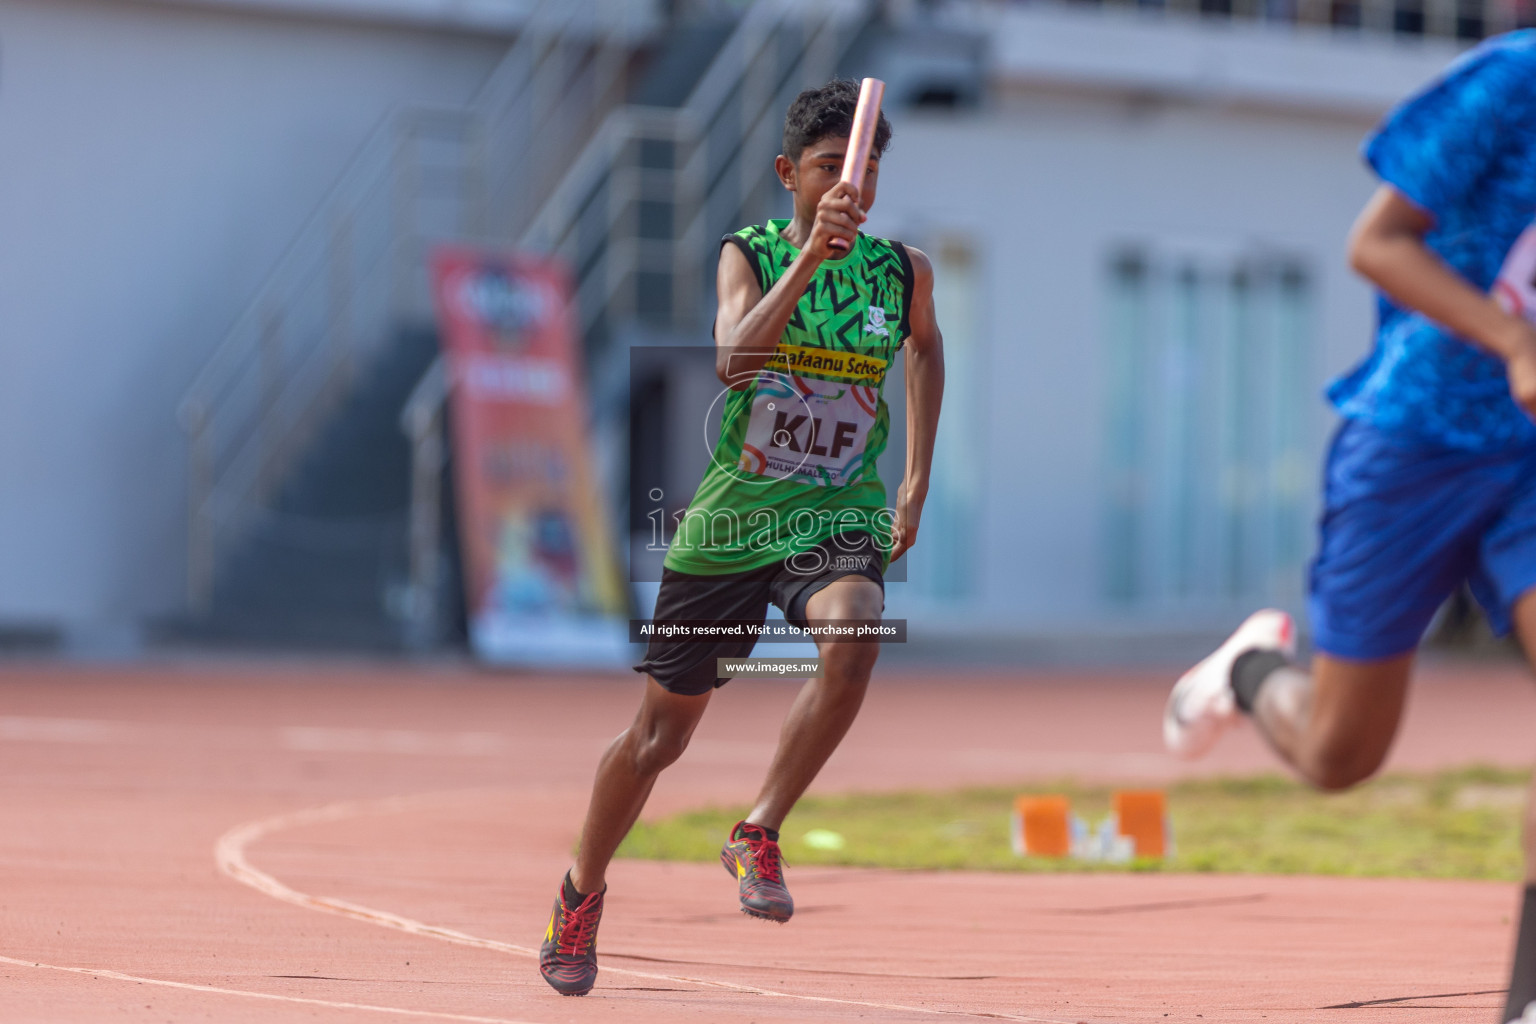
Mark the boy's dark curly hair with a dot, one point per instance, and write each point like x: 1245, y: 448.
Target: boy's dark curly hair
x: 827, y: 111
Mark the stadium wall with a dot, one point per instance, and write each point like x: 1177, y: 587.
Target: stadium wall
x: 157, y: 160
x: 1102, y: 132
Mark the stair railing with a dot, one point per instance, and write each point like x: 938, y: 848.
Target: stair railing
x: 422, y: 421
x: 704, y: 163
x: 697, y: 170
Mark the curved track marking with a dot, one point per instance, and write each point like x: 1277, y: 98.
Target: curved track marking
x: 96, y: 972
x: 230, y: 854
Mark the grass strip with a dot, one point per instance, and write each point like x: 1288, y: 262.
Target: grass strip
x: 1462, y: 823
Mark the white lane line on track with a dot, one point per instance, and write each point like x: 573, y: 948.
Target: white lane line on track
x: 97, y: 972
x: 319, y: 739
x: 17, y: 728
x: 230, y: 854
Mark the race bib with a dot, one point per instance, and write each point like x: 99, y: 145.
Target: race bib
x: 1515, y: 290
x: 809, y: 429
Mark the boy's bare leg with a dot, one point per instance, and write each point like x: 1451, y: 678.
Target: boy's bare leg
x: 1522, y: 984
x: 626, y: 773
x: 826, y: 707
x: 1525, y: 631
x: 1336, y: 724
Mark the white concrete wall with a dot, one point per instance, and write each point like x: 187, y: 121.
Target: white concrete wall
x: 636, y: 17
x: 1055, y: 171
x: 154, y: 162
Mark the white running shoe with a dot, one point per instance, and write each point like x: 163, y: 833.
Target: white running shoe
x: 1202, y: 703
x: 1528, y: 1017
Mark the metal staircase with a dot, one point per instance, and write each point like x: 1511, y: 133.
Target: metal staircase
x: 347, y: 309
x: 638, y: 217
x: 642, y: 207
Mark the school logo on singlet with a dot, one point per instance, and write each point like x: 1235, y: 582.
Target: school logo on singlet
x: 876, y: 322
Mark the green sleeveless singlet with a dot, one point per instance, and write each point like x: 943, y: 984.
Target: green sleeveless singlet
x: 795, y: 461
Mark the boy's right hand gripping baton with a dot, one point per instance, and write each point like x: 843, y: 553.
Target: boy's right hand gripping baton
x: 866, y: 117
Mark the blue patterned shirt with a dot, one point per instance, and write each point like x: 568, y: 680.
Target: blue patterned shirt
x: 1464, y: 150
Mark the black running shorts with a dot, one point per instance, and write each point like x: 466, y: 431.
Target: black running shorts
x: 687, y: 667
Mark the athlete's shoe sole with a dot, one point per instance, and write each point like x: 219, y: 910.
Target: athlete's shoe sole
x: 1202, y: 704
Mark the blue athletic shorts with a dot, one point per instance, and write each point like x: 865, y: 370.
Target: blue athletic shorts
x: 1405, y: 522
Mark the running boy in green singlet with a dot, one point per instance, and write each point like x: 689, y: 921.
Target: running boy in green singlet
x: 791, y: 510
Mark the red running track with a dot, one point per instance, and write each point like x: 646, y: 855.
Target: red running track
x: 164, y: 860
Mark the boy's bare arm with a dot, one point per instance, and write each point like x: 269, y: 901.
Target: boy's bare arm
x: 749, y: 323
x: 925, y: 393
x: 1387, y: 247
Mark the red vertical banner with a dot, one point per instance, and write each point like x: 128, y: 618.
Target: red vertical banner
x: 539, y: 567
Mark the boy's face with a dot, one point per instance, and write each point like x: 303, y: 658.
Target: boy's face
x: 818, y: 169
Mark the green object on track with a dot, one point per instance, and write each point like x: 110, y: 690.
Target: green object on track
x: 824, y: 839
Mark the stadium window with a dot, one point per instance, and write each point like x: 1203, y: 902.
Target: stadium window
x: 947, y: 564
x: 954, y: 492
x: 1206, y: 490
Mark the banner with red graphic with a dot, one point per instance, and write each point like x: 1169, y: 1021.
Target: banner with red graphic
x: 539, y: 568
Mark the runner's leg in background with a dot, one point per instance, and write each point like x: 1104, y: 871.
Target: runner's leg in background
x: 1522, y: 982
x: 1335, y: 724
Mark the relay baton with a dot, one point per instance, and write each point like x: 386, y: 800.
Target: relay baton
x: 866, y: 117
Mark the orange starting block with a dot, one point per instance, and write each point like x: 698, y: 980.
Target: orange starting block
x: 1142, y: 817
x: 1042, y: 826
